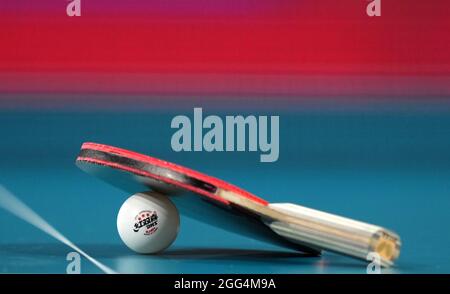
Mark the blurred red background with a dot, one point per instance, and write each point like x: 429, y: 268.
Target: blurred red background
x: 300, y: 49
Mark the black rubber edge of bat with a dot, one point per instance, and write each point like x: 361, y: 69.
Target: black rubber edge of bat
x: 149, y: 168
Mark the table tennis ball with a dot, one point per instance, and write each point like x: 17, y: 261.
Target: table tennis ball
x: 148, y: 222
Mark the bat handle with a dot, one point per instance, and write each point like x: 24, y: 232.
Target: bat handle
x: 330, y: 232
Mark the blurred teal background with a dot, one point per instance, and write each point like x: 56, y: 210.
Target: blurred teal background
x: 383, y: 164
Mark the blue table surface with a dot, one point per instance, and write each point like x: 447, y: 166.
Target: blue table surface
x: 387, y: 168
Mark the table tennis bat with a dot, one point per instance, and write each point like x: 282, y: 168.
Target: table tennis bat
x: 224, y: 205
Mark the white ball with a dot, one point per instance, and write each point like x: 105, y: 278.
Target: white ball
x: 148, y: 222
